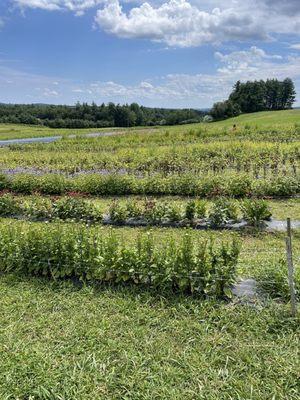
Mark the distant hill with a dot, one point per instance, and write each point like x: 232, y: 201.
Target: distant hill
x: 263, y: 118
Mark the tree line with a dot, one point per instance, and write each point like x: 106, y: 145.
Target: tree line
x: 95, y: 116
x: 249, y: 97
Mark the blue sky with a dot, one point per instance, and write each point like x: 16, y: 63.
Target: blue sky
x: 170, y: 53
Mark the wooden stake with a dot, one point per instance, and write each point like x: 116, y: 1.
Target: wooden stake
x: 289, y: 255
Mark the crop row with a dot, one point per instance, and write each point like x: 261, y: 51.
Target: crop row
x: 230, y: 184
x: 150, y: 212
x: 58, y: 252
x: 258, y: 158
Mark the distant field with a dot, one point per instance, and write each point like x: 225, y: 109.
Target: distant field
x: 274, y: 119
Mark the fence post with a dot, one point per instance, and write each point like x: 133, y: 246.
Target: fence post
x: 289, y: 255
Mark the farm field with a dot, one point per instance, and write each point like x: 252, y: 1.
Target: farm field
x: 89, y: 311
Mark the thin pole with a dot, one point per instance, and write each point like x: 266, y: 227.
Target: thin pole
x: 289, y: 255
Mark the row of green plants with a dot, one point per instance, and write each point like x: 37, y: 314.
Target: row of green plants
x: 56, y: 251
x: 87, y: 155
x: 235, y: 185
x: 220, y: 212
x: 153, y: 212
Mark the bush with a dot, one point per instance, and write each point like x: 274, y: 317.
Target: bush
x: 256, y: 211
x: 118, y: 212
x: 173, y: 213
x: 190, y: 210
x: 207, y: 186
x: 38, y: 208
x: 59, y: 252
x: 24, y: 183
x: 195, y: 209
x: 223, y: 210
x: 155, y: 212
x: 74, y: 208
x: 9, y: 205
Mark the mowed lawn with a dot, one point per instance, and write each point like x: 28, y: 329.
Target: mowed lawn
x: 60, y: 341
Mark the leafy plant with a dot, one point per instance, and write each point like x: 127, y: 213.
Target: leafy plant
x: 190, y: 210
x: 256, y: 211
x: 74, y: 208
x: 57, y: 251
x: 38, y: 208
x: 9, y: 205
x: 118, y: 212
x: 222, y: 211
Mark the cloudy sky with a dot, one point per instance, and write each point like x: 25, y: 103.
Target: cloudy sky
x: 170, y: 53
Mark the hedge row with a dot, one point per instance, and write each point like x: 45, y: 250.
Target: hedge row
x: 229, y: 184
x: 57, y: 251
x: 148, y: 212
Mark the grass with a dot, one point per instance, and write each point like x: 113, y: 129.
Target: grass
x: 61, y: 342
x: 261, y: 119
x: 265, y: 119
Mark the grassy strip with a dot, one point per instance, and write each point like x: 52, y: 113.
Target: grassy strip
x: 61, y: 342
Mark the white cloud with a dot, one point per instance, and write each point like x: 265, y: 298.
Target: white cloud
x: 295, y: 46
x: 177, y: 23
x: 173, y: 90
x: 200, y: 90
x: 184, y: 23
x: 50, y: 93
x: 77, y: 6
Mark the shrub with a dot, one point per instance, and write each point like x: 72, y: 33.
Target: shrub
x: 38, y: 208
x: 52, y: 184
x: 200, y: 209
x: 223, y: 210
x: 4, y: 182
x: 59, y: 252
x: 173, y: 213
x: 155, y: 212
x: 134, y: 209
x: 74, y: 208
x: 9, y: 205
x: 190, y: 210
x: 118, y: 212
x: 195, y: 209
x: 24, y: 183
x: 255, y: 211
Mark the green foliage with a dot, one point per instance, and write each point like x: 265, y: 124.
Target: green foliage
x: 118, y: 212
x: 155, y: 212
x: 228, y: 184
x: 273, y: 279
x: 195, y: 209
x: 74, y: 208
x: 38, y: 208
x: 256, y: 211
x: 94, y: 116
x: 222, y: 211
x: 59, y: 252
x: 250, y: 97
x: 190, y: 210
x: 9, y: 205
x: 200, y: 209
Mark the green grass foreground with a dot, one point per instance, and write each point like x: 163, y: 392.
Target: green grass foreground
x: 59, y: 341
